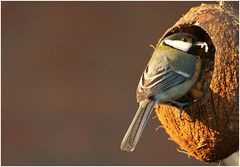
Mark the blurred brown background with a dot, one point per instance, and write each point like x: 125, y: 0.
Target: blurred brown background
x: 69, y: 75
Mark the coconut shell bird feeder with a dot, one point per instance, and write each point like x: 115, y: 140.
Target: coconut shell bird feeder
x: 209, y: 128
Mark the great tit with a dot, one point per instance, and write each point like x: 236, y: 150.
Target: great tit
x: 171, y: 72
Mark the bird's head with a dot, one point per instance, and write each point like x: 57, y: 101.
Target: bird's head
x: 185, y: 42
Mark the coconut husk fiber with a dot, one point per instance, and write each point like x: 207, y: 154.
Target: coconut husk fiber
x: 209, y: 127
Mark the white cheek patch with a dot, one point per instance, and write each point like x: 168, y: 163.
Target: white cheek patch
x: 181, y: 45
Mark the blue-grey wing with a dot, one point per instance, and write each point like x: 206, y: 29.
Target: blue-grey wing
x: 166, y: 77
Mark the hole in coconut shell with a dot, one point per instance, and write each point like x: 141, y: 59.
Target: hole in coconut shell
x: 202, y: 85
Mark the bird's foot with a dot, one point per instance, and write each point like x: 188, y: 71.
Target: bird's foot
x: 181, y: 106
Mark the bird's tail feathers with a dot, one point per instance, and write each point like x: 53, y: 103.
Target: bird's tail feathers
x: 135, y: 129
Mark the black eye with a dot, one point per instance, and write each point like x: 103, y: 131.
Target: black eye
x: 187, y: 39
x: 184, y: 39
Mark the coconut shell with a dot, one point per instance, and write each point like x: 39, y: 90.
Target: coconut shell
x: 209, y: 127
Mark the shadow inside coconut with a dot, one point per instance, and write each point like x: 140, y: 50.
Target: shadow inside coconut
x: 207, y: 55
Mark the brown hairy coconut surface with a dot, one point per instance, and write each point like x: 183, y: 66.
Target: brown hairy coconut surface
x: 209, y: 127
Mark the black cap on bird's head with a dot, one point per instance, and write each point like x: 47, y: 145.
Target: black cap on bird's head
x: 182, y: 36
x: 185, y: 42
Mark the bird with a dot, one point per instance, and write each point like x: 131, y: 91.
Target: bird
x: 171, y: 72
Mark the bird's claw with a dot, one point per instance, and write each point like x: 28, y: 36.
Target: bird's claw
x: 181, y: 106
x: 180, y: 113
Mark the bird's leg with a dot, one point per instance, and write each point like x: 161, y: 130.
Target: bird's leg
x: 181, y: 106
